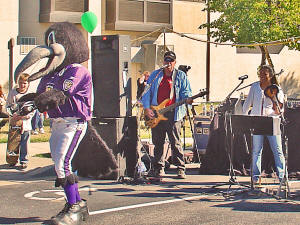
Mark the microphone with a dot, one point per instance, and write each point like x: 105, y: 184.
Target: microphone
x: 164, y: 66
x: 243, y: 77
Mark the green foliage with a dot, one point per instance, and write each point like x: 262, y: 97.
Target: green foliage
x: 33, y: 138
x: 250, y: 21
x: 43, y: 155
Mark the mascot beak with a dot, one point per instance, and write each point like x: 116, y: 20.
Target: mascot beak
x: 56, y: 54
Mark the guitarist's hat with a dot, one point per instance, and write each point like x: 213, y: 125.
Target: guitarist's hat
x: 169, y: 56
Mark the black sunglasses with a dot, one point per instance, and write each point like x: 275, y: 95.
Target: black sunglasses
x: 167, y: 59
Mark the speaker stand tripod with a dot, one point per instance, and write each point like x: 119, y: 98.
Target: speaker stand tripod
x: 193, y: 134
x: 285, y: 180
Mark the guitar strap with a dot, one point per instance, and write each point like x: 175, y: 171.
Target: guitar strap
x: 173, y: 83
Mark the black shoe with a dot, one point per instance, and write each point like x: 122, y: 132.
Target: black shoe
x: 24, y: 166
x: 69, y: 215
x: 84, y: 209
x: 159, y: 172
x: 181, y: 174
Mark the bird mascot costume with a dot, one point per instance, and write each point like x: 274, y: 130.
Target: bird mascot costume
x: 65, y: 93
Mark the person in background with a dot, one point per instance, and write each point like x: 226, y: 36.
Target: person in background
x: 13, y: 96
x: 141, y: 83
x: 37, y: 122
x: 2, y: 99
x: 168, y: 83
x: 3, y: 114
x: 264, y: 106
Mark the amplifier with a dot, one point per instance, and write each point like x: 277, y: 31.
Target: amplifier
x: 201, y: 132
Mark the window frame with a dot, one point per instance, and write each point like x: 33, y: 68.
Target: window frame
x: 26, y: 44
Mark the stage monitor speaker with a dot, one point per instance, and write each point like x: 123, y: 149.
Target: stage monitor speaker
x: 120, y: 134
x: 111, y: 67
x: 201, y: 132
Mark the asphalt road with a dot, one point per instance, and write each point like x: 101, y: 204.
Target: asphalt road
x: 172, y: 201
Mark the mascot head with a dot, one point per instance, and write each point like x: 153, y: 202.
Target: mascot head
x: 65, y: 45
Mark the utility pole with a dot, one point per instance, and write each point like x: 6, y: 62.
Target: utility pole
x: 208, y: 53
x: 165, y: 47
x: 11, y: 44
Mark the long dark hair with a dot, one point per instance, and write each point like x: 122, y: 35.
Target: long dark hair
x: 271, y: 72
x: 1, y: 91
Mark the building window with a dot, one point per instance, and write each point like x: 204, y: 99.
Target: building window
x: 193, y: 0
x: 138, y: 15
x: 26, y: 44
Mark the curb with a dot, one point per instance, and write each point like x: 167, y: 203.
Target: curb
x: 47, y: 171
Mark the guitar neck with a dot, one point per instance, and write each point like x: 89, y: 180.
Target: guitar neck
x: 173, y: 106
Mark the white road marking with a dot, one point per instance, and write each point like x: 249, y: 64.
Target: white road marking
x: 31, y: 195
x: 146, y: 204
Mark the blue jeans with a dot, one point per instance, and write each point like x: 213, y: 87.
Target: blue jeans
x: 24, y: 147
x: 276, y: 146
x: 37, y: 120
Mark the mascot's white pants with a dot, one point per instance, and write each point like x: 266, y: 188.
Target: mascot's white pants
x: 66, y: 135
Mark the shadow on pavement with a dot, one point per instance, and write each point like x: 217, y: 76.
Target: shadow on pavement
x: 260, y: 206
x: 5, y: 220
x: 15, y: 173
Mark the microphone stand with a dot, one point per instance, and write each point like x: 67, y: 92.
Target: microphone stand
x: 146, y: 89
x: 245, y: 86
x: 227, y: 99
x: 229, y: 143
x: 230, y: 151
x: 228, y: 96
x: 284, y: 180
x: 193, y: 133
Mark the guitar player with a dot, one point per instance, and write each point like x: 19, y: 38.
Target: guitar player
x: 167, y: 83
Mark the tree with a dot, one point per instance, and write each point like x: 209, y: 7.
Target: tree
x: 255, y: 21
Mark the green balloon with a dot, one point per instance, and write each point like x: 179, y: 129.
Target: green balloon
x: 89, y: 21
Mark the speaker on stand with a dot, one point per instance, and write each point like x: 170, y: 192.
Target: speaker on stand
x: 113, y: 120
x: 111, y: 67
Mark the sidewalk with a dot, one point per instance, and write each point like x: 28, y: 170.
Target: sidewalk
x: 37, y: 166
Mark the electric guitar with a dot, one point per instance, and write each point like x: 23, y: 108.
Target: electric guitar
x: 160, y: 109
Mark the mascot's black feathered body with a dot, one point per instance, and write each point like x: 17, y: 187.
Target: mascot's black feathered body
x: 65, y: 92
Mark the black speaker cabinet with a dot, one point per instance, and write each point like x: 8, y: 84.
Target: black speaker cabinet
x: 111, y: 66
x: 120, y: 134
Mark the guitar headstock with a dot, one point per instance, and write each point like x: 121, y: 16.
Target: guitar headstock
x: 203, y: 92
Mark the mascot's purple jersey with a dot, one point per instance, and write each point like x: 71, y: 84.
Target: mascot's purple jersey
x: 76, y: 83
